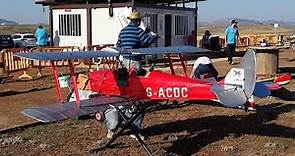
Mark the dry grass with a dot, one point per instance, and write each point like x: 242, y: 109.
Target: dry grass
x: 215, y: 30
x: 248, y: 30
x: 11, y: 29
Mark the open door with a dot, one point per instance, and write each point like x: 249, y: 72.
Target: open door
x: 168, y: 23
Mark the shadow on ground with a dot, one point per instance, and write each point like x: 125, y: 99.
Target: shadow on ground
x: 284, y: 94
x: 286, y: 70
x: 206, y: 130
x: 9, y: 93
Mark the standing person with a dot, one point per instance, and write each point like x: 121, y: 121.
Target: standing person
x: 231, y: 38
x: 191, y: 39
x: 41, y: 35
x: 130, y: 37
x: 205, y: 39
x: 133, y: 37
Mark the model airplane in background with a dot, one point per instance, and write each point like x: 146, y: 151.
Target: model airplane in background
x: 122, y: 87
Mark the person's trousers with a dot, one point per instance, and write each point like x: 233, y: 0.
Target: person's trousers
x: 113, y: 119
x: 131, y: 64
x: 231, y: 48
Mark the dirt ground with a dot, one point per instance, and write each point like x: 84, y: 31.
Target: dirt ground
x: 196, y: 128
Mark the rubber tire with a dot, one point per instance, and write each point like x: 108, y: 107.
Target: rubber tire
x: 99, y: 116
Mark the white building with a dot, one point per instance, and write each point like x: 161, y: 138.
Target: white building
x: 93, y: 22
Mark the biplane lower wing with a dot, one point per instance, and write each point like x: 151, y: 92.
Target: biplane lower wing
x: 52, y: 113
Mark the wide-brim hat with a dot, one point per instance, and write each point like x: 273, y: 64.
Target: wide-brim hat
x: 134, y: 15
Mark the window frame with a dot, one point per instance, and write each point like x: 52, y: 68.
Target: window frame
x: 69, y: 25
x: 180, y: 25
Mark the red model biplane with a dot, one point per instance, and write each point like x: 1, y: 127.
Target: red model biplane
x: 117, y: 87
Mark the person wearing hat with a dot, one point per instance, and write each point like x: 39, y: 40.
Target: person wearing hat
x: 133, y: 37
x: 130, y: 37
x: 231, y: 38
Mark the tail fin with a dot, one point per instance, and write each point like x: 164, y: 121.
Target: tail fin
x: 239, y: 83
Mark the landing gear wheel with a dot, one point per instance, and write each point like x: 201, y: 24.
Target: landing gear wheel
x: 99, y: 116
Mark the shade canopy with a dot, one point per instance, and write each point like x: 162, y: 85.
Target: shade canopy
x: 56, y: 2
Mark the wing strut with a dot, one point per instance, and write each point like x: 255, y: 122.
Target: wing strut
x: 74, y: 83
x: 73, y: 79
x: 57, y: 85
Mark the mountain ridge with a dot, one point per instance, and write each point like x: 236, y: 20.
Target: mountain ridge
x: 7, y: 22
x: 225, y: 21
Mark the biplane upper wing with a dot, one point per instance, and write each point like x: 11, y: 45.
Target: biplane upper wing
x: 59, y: 56
x: 59, y: 112
x: 168, y: 50
x: 54, y: 56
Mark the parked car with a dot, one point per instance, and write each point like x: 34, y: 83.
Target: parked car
x: 6, y: 42
x: 26, y: 40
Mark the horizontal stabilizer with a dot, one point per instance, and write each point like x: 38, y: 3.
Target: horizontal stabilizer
x: 52, y: 113
x: 261, y: 90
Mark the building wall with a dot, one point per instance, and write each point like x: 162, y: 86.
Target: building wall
x: 105, y: 29
x: 62, y: 40
x: 175, y: 39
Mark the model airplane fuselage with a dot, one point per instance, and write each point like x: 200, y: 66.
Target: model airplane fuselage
x: 154, y: 86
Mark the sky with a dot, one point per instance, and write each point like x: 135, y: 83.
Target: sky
x: 27, y: 12
x: 23, y: 11
x: 262, y: 10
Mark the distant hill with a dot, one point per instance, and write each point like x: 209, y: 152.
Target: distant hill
x: 226, y: 21
x: 7, y: 22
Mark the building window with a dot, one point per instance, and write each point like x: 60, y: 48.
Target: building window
x: 181, y: 25
x: 150, y: 20
x: 70, y: 25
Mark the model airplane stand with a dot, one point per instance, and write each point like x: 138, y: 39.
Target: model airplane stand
x: 127, y: 124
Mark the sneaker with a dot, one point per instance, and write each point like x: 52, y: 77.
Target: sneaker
x: 251, y: 109
x: 134, y: 137
x: 241, y: 107
x: 110, y: 134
